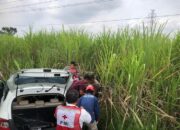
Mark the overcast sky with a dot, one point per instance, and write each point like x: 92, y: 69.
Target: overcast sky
x: 89, y: 14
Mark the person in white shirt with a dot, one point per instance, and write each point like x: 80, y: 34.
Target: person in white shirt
x: 71, y: 117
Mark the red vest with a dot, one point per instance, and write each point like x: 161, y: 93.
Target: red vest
x: 68, y: 118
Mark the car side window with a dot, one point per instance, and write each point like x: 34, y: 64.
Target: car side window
x: 1, y: 89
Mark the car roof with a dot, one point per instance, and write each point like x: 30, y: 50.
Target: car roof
x: 38, y: 72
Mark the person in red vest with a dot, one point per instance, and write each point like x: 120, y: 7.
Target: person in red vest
x: 71, y: 117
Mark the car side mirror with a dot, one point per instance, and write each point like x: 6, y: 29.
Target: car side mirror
x: 2, y: 85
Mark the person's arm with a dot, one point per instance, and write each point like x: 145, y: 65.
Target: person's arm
x: 96, y: 109
x: 55, y: 113
x: 79, y: 102
x: 85, y: 116
x: 56, y: 110
x: 75, y: 85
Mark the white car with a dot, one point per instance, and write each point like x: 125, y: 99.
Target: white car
x: 29, y: 97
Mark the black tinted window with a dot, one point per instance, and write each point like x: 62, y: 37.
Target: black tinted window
x: 26, y: 80
x: 1, y: 89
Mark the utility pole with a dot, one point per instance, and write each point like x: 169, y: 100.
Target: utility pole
x: 152, y: 17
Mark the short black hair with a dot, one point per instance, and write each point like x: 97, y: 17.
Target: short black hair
x: 89, y: 91
x: 73, y: 62
x: 72, y: 96
x: 89, y: 76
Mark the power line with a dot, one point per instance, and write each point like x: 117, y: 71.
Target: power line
x: 128, y: 19
x: 106, y: 21
x: 56, y: 7
x: 27, y: 5
x: 167, y: 15
x: 12, y: 1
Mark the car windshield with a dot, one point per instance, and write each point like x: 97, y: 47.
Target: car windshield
x: 26, y: 80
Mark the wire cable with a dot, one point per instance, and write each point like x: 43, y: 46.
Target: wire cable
x: 136, y: 18
x: 105, y: 21
x: 27, y: 5
x: 14, y: 1
x: 57, y: 7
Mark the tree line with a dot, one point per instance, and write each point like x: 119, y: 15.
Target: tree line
x: 8, y: 30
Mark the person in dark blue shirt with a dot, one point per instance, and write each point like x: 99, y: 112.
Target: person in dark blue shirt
x: 90, y: 103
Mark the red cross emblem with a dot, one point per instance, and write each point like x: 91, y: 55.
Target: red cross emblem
x: 64, y: 117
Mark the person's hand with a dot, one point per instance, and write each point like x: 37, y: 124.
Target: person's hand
x: 82, y: 107
x: 81, y: 92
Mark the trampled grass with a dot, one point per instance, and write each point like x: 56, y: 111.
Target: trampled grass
x: 138, y: 69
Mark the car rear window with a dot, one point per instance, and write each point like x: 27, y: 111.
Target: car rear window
x: 26, y: 80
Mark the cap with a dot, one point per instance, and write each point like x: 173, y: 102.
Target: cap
x: 90, y: 87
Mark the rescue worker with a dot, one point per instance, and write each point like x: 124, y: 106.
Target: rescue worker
x: 89, y: 78
x: 71, y: 117
x: 90, y: 103
x: 92, y: 80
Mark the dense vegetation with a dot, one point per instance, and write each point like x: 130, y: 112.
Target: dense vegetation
x: 138, y: 68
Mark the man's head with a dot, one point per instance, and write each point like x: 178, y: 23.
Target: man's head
x: 73, y: 63
x: 90, y: 89
x: 72, y: 96
x: 89, y: 76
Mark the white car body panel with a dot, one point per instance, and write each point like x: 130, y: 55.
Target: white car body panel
x: 32, y: 88
x: 5, y: 108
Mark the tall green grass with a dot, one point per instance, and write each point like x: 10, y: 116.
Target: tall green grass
x: 139, y: 70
